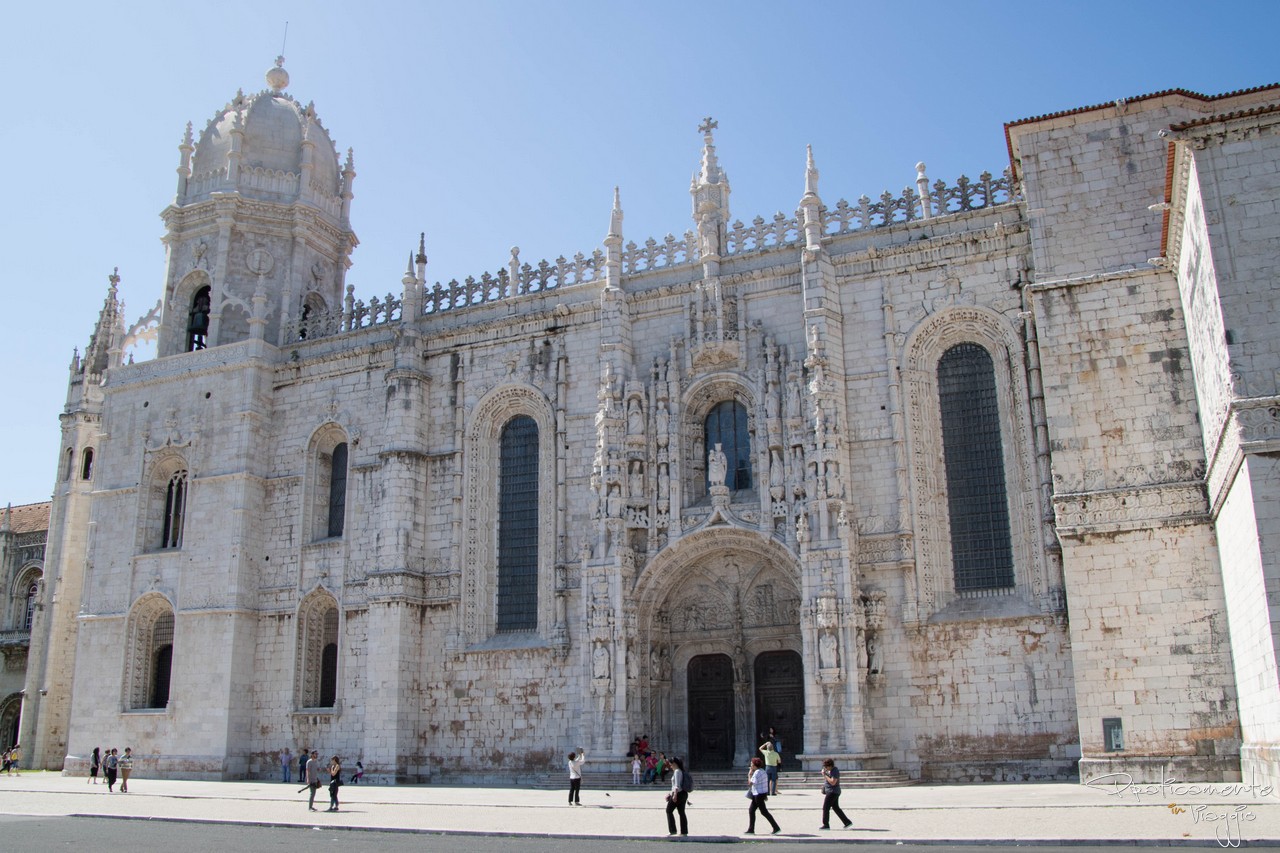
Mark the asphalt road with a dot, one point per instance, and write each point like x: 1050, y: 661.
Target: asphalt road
x: 43, y: 834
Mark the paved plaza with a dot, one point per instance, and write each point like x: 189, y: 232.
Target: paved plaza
x: 1176, y: 814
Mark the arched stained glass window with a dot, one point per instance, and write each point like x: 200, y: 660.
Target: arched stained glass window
x: 726, y: 426
x: 974, y: 458
x: 518, y: 526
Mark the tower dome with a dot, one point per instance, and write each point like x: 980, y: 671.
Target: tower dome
x: 266, y: 146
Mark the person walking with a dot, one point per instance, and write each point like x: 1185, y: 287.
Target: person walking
x: 759, y: 792
x: 110, y: 765
x: 335, y: 782
x: 312, y: 778
x: 95, y: 762
x: 677, y: 799
x: 771, y: 761
x: 286, y: 764
x: 126, y: 768
x: 576, y: 761
x: 12, y: 758
x: 831, y: 795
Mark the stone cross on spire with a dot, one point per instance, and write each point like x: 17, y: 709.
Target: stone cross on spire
x: 708, y: 124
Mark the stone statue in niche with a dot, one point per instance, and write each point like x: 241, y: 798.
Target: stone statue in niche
x: 635, y: 482
x: 717, y: 466
x: 802, y: 527
x: 664, y: 483
x: 873, y: 654
x: 664, y: 425
x: 615, y: 501
x: 635, y: 418
x: 600, y: 662
x: 828, y: 657
x: 793, y: 399
x: 862, y: 650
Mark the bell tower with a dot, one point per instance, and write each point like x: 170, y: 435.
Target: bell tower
x: 259, y: 232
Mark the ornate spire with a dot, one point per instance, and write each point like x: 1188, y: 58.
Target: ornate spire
x: 711, y: 173
x: 103, y: 350
x: 710, y: 191
x: 613, y: 245
x: 811, y: 205
x: 615, y: 216
x: 810, y: 173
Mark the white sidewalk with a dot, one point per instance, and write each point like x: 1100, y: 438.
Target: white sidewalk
x: 1200, y: 815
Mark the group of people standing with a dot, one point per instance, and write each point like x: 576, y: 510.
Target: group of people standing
x: 311, y: 768
x: 113, y: 766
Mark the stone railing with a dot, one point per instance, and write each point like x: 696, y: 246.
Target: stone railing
x: 655, y: 255
x: 356, y: 314
x: 518, y: 279
x: 845, y: 218
x: 528, y: 278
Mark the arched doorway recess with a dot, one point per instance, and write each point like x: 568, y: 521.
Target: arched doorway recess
x: 707, y: 611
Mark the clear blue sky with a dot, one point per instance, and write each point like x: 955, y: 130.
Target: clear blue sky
x: 493, y: 124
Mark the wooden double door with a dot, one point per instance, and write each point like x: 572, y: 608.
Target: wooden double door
x: 714, y: 731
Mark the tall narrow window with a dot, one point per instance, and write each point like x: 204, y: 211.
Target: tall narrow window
x: 726, y: 426
x: 86, y: 466
x: 175, y: 506
x: 33, y: 590
x: 518, y: 526
x: 198, y: 320
x: 337, y: 489
x: 974, y: 459
x: 318, y: 652
x: 161, y: 661
x: 329, y: 660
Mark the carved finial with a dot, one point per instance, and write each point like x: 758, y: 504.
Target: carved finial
x: 187, y: 137
x: 810, y: 173
x: 708, y: 124
x: 351, y: 161
x: 408, y: 269
x: 114, y: 278
x: 615, y: 217
x: 277, y: 77
x: 422, y: 248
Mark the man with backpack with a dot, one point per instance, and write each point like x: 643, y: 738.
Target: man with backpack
x: 681, y: 787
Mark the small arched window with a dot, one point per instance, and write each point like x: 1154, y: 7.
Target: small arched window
x: 175, y: 508
x: 198, y: 320
x: 86, y: 464
x: 69, y: 464
x: 973, y: 455
x: 726, y: 425
x: 518, y: 526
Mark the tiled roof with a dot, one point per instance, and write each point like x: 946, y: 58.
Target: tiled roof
x: 1184, y: 92
x: 28, y: 518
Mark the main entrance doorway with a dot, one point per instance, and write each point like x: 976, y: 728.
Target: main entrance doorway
x: 711, y: 712
x: 780, y: 699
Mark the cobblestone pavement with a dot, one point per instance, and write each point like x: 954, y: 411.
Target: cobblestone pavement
x: 1193, y: 814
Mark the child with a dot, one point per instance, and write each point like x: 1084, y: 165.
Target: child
x: 635, y: 770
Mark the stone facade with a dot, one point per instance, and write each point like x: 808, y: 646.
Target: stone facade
x: 23, y: 532
x: 973, y: 480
